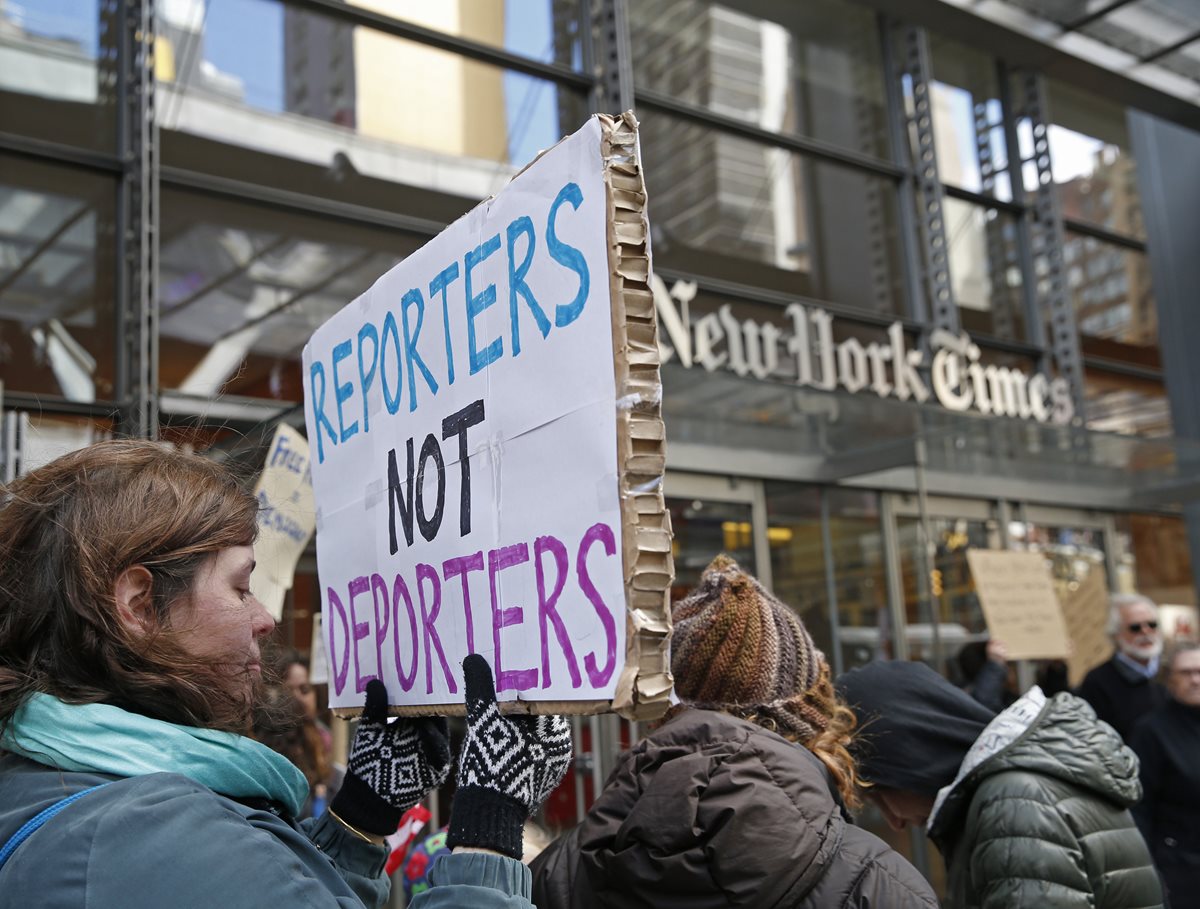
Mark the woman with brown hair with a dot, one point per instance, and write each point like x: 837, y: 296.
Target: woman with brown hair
x: 130, y: 659
x: 739, y: 797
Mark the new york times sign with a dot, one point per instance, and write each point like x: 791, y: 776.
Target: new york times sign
x: 803, y: 351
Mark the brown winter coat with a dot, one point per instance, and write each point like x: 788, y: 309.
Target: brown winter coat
x: 711, y: 810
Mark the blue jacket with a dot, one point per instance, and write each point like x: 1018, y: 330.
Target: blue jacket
x: 163, y: 840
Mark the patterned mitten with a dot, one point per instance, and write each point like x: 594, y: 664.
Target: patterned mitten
x: 508, y: 767
x: 392, y: 765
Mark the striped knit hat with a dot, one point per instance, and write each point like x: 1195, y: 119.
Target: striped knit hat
x: 738, y: 649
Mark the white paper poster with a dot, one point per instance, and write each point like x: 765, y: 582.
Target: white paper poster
x: 286, y: 517
x: 462, y: 420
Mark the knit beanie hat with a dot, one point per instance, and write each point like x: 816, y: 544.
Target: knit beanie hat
x: 737, y: 649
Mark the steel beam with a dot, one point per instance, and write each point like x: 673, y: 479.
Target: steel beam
x: 913, y: 62
x: 1047, y: 242
x: 137, y: 219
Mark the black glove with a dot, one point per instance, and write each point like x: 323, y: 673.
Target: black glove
x: 507, y: 768
x: 392, y: 765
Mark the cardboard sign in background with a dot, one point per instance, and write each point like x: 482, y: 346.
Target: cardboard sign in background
x: 1019, y: 603
x: 1085, y: 611
x: 462, y: 419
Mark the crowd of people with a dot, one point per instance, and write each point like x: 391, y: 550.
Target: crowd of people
x: 144, y: 761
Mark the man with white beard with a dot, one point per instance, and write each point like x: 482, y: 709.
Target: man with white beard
x: 1125, y: 689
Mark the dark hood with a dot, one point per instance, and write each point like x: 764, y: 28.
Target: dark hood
x: 915, y: 728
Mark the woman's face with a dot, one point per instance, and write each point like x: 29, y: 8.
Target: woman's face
x: 295, y: 680
x: 223, y: 621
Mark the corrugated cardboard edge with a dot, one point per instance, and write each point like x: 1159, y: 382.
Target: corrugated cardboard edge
x: 644, y: 687
x: 645, y: 683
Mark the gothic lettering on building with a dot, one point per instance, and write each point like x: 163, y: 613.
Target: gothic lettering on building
x: 804, y: 351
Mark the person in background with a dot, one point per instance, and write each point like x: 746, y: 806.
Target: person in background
x: 280, y: 723
x: 739, y: 798
x: 130, y: 661
x: 1125, y: 689
x: 986, y: 675
x: 292, y: 671
x: 1168, y: 744
x: 1028, y: 808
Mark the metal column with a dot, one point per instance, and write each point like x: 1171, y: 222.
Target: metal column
x: 915, y: 66
x: 137, y: 218
x: 1047, y: 241
x: 612, y: 56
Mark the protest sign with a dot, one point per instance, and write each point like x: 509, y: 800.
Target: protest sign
x: 1085, y: 611
x: 1019, y: 603
x: 286, y: 517
x: 488, y: 452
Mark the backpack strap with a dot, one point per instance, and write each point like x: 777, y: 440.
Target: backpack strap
x: 31, y: 826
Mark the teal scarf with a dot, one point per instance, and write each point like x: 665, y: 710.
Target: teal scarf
x: 105, y: 739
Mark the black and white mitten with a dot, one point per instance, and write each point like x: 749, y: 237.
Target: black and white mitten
x: 507, y: 768
x: 392, y: 765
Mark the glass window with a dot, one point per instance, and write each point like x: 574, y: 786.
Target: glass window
x: 968, y: 123
x: 984, y: 268
x: 56, y: 281
x: 44, y: 438
x: 860, y: 579
x: 52, y: 50
x: 1092, y: 161
x: 1146, y: 26
x: 243, y: 289
x: 814, y: 68
x: 949, y: 587
x: 290, y: 82
x: 721, y: 202
x: 798, y: 556
x: 1154, y: 559
x: 1185, y: 61
x: 1126, y: 404
x: 702, y: 529
x: 1113, y: 299
x: 543, y: 30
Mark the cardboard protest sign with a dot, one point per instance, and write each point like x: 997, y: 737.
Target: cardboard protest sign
x: 1085, y: 611
x: 286, y: 517
x: 488, y: 452
x: 1019, y: 603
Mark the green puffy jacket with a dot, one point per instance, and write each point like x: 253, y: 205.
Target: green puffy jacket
x: 1039, y: 815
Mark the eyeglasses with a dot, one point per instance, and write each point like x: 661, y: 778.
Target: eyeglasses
x: 1136, y: 627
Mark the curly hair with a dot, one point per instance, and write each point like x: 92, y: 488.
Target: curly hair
x: 68, y: 531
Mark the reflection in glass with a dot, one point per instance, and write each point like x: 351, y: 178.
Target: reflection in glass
x: 813, y: 69
x: 949, y: 588
x: 798, y: 556
x: 1127, y: 405
x: 44, y: 438
x: 1110, y: 287
x: 56, y: 51
x: 243, y: 290
x: 1092, y: 162
x: 984, y: 268
x: 968, y: 125
x: 703, y: 529
x: 802, y: 569
x: 1146, y: 26
x: 720, y: 200
x: 277, y: 78
x: 56, y: 290
x: 1153, y: 558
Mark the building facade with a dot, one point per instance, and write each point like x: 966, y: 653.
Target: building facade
x: 925, y: 275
